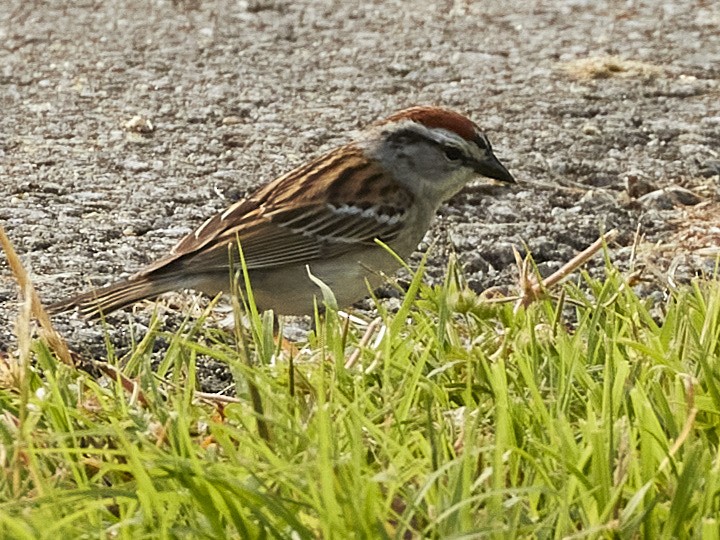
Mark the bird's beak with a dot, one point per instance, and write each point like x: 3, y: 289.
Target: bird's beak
x: 492, y: 168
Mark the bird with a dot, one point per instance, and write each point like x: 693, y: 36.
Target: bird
x: 322, y: 218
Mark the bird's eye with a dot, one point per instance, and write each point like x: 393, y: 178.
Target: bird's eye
x: 452, y: 153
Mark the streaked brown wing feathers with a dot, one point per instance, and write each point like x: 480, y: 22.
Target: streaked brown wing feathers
x: 299, y: 218
x: 295, y: 236
x: 241, y: 212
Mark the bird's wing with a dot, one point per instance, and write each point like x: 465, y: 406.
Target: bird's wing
x: 295, y: 235
x: 290, y: 235
x: 297, y: 218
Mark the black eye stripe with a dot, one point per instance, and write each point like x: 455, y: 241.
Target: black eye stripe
x: 452, y: 153
x: 482, y: 142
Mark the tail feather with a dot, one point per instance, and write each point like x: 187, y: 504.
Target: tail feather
x: 104, y: 300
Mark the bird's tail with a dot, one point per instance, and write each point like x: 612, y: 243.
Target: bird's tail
x: 98, y: 302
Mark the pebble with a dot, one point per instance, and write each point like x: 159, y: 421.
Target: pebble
x: 135, y: 165
x: 637, y: 184
x: 667, y: 198
x: 139, y: 124
x: 710, y: 168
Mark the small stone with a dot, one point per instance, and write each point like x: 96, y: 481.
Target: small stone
x: 51, y: 187
x: 231, y: 120
x: 638, y: 185
x: 135, y: 165
x: 590, y: 129
x: 710, y: 168
x: 139, y: 124
x: 685, y: 196
x: 669, y: 197
x: 398, y: 70
x: 693, y: 149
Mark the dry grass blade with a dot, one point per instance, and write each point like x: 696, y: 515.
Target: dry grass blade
x: 606, y: 67
x: 686, y: 431
x: 47, y: 331
x: 216, y: 399
x: 367, y: 336
x: 54, y: 340
x: 530, y: 290
x: 130, y: 386
x: 208, y: 397
x: 579, y: 259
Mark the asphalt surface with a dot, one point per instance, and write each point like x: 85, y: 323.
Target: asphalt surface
x: 126, y: 123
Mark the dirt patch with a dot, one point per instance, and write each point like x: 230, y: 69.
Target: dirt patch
x: 125, y: 123
x: 609, y: 66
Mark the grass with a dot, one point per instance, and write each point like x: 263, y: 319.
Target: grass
x: 594, y: 415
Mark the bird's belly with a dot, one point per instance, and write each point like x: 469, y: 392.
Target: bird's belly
x: 290, y: 291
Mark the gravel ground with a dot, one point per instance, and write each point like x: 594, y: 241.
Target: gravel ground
x: 126, y: 122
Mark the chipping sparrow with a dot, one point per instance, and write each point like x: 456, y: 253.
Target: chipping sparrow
x: 325, y: 214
